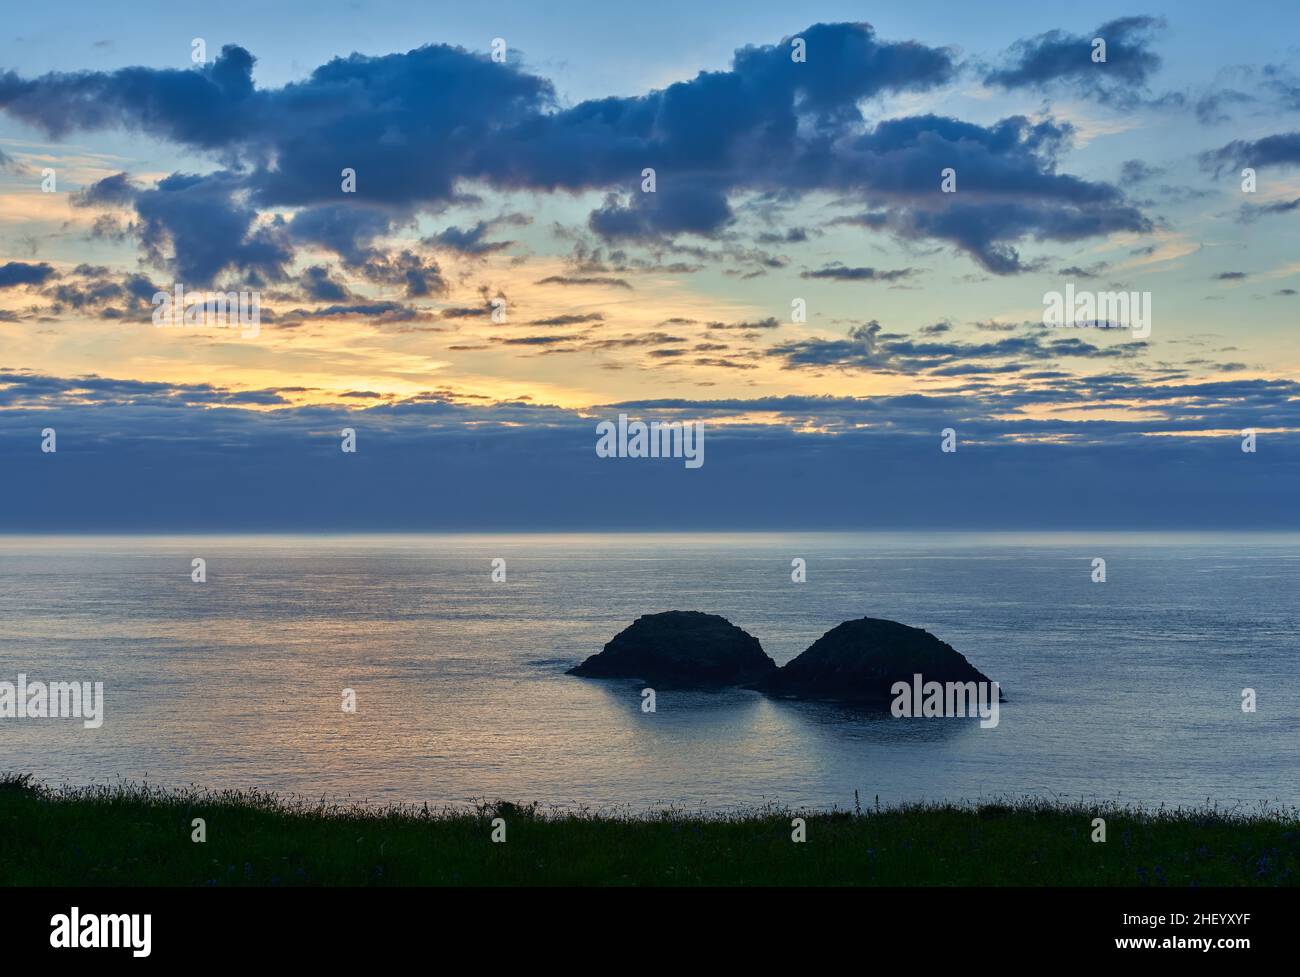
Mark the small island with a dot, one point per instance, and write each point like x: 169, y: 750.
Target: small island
x: 858, y: 661
x: 681, y: 649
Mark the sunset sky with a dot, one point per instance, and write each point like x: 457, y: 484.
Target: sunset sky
x: 776, y: 181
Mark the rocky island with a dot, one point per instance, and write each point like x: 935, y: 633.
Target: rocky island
x: 681, y: 649
x: 857, y: 661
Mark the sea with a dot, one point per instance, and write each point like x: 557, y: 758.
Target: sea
x: 1175, y: 682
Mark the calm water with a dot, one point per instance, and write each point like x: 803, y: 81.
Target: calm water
x: 1128, y: 690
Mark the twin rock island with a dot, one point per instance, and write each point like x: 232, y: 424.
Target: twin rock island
x: 857, y: 661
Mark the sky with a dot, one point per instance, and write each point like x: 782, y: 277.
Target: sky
x: 856, y: 214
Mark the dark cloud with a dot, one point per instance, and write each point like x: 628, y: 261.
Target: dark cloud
x: 1211, y: 108
x: 1007, y: 181
x: 568, y: 320
x: 417, y: 275
x: 634, y: 340
x: 472, y: 240
x: 1058, y: 56
x: 317, y: 285
x: 348, y: 230
x: 16, y: 273
x: 21, y: 388
x: 1030, y: 452
x: 378, y: 312
x: 585, y: 280
x: 843, y: 273
x: 1284, y: 85
x: 1248, y: 214
x: 93, y: 289
x: 1282, y: 149
x: 796, y: 235
x: 771, y: 322
x: 197, y: 227
x: 7, y: 162
x: 725, y: 364
x: 415, y: 126
x: 533, y: 340
x: 869, y: 347
x: 585, y: 343
x: 1094, y: 270
x: 697, y: 208
x: 1137, y: 171
x: 466, y: 312
x: 862, y: 349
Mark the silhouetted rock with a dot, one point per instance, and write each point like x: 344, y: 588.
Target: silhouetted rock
x: 859, y: 661
x: 681, y: 649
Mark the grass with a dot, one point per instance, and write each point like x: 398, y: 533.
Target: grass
x: 141, y: 835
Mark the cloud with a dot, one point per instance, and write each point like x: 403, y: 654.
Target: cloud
x: 534, y: 340
x: 585, y: 280
x: 317, y: 285
x: 982, y: 229
x: 7, y: 162
x: 699, y: 207
x: 1138, y: 171
x: 249, y: 460
x: 571, y: 319
x: 843, y: 273
x: 26, y: 389
x: 416, y: 126
x: 869, y: 347
x: 92, y: 289
x: 862, y: 349
x: 346, y: 229
x: 1095, y: 270
x: 379, y: 312
x: 1283, y: 83
x: 16, y: 273
x: 1211, y: 107
x: 197, y: 227
x: 771, y: 322
x: 466, y: 312
x: 1008, y: 187
x: 418, y: 276
x: 471, y: 240
x: 1056, y: 56
x: 1248, y: 214
x: 1282, y: 149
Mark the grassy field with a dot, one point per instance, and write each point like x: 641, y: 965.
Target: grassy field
x: 139, y: 835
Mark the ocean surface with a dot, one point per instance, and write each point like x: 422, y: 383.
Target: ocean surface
x: 1127, y: 691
